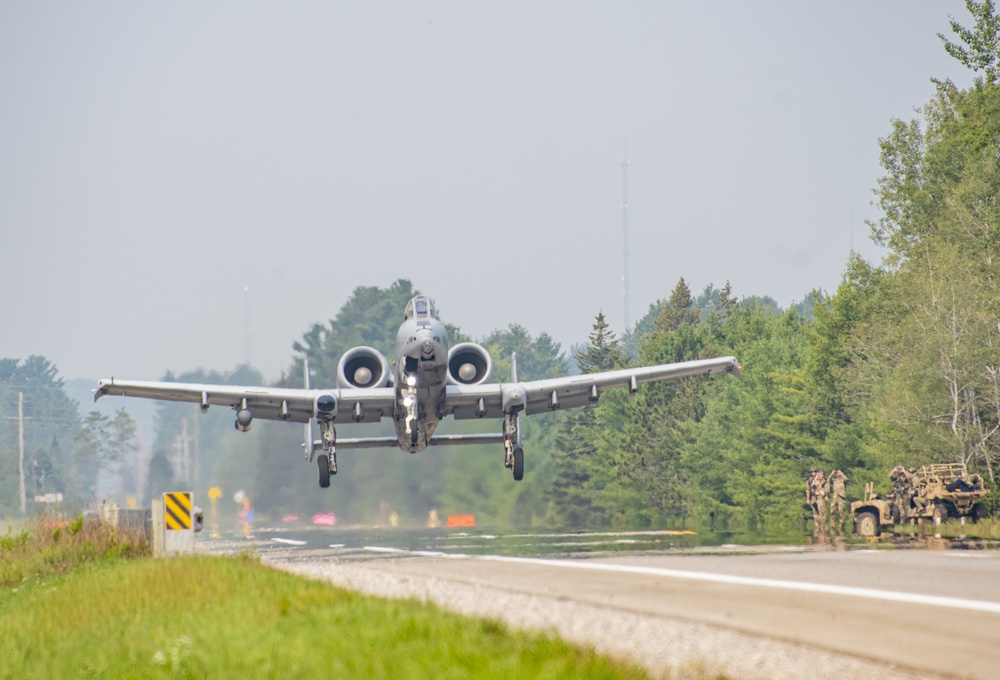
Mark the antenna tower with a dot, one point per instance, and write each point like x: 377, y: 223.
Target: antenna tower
x: 246, y: 325
x: 624, y: 165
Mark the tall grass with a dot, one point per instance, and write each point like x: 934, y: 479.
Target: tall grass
x: 233, y: 617
x: 48, y: 546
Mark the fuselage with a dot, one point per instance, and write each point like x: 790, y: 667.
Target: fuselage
x: 420, y: 375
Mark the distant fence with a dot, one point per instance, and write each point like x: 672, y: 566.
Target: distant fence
x: 138, y: 521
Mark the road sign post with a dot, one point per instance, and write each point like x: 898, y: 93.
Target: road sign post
x: 174, y: 515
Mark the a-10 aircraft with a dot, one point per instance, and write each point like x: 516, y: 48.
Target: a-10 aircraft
x: 427, y: 382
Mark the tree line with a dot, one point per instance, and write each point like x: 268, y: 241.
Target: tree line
x: 900, y: 365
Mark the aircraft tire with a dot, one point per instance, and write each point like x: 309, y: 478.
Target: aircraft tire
x: 518, y: 464
x: 323, y: 461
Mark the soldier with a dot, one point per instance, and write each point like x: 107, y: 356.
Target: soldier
x: 816, y: 497
x: 902, y: 491
x: 837, y: 485
x: 960, y: 483
x: 920, y: 500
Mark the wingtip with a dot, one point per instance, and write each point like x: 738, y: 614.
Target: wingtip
x: 102, y: 388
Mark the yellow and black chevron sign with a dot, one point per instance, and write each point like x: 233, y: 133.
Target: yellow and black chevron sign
x: 177, y: 510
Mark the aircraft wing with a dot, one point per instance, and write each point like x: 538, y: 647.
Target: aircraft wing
x: 540, y: 396
x: 269, y: 403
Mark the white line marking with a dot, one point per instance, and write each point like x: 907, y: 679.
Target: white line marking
x: 289, y: 541
x: 419, y: 553
x: 870, y: 593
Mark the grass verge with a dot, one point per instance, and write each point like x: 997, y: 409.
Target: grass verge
x: 47, y: 546
x: 233, y: 617
x: 988, y: 529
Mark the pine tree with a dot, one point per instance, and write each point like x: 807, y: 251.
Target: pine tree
x: 679, y: 309
x: 578, y: 471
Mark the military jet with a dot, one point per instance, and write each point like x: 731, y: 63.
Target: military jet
x: 428, y: 380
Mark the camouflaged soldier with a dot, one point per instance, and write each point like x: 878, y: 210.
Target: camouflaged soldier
x: 837, y: 485
x: 902, y: 491
x: 816, y: 496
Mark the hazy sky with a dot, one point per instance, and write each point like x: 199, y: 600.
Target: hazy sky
x: 168, y: 170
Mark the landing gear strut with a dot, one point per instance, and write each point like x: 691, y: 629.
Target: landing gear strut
x: 513, y: 451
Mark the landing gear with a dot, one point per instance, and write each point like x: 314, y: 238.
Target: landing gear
x: 324, y: 471
x: 513, y: 451
x: 327, y: 462
x: 518, y: 464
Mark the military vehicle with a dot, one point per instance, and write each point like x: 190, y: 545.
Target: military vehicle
x: 940, y: 492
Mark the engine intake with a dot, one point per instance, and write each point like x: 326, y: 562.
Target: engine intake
x: 363, y: 367
x: 469, y: 364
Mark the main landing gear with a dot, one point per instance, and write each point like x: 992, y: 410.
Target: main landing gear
x: 327, y: 462
x: 513, y: 451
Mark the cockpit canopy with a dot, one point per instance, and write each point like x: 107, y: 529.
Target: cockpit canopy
x: 420, y: 307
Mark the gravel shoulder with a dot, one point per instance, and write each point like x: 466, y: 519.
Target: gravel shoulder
x: 667, y: 647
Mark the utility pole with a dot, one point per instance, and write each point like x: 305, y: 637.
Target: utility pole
x: 185, y: 451
x: 20, y: 439
x: 182, y: 453
x: 197, y: 451
x: 624, y: 165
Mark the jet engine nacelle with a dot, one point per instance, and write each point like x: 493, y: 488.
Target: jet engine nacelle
x: 363, y: 367
x: 469, y: 364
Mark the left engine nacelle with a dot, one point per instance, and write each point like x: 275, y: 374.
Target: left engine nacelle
x: 363, y: 367
x: 469, y: 364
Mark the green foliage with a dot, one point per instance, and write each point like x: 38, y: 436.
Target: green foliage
x: 929, y: 341
x: 52, y: 545
x: 370, y: 317
x: 104, y: 442
x: 579, y: 476
x: 982, y: 43
x: 679, y: 310
x: 758, y: 434
x: 51, y: 421
x: 537, y: 358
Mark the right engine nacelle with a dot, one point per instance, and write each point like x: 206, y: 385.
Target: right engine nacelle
x: 363, y: 367
x: 469, y: 364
